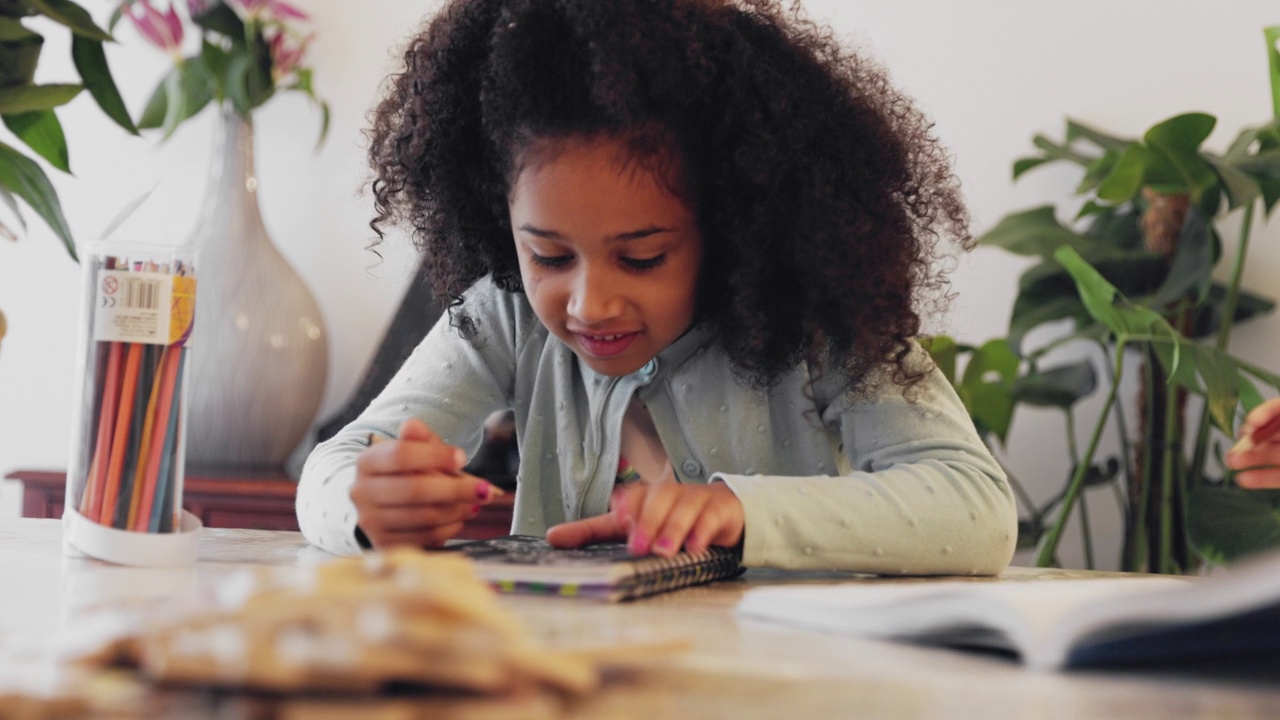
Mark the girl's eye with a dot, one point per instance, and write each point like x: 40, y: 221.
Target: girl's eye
x: 645, y: 263
x: 552, y: 262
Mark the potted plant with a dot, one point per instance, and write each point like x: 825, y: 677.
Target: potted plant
x: 1133, y: 271
x: 28, y: 109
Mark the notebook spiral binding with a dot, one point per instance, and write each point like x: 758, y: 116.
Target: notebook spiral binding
x: 653, y: 575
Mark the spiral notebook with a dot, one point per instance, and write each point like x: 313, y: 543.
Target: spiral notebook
x: 527, y: 564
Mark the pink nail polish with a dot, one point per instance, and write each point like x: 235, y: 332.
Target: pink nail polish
x: 663, y: 544
x: 475, y: 509
x: 484, y: 490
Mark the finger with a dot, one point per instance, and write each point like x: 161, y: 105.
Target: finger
x: 420, y: 489
x: 601, y: 528
x: 411, y: 518
x: 414, y: 429
x: 672, y: 534
x: 1261, y: 414
x: 720, y: 523
x: 408, y: 455
x: 1259, y: 479
x: 659, y: 498
x: 433, y: 538
x: 626, y: 503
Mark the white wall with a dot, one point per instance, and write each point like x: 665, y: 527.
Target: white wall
x: 990, y: 72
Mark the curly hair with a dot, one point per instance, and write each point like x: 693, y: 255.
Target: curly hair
x: 822, y: 196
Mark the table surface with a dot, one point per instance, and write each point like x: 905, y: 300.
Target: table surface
x: 736, y: 668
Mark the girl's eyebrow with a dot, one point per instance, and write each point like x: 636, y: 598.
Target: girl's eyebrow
x: 620, y: 237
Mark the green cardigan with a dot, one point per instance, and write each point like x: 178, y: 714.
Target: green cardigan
x: 867, y: 482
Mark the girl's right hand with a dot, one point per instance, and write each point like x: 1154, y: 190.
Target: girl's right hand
x: 1259, y: 448
x: 412, y: 491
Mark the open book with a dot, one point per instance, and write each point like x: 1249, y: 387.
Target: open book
x: 1052, y: 623
x: 527, y: 564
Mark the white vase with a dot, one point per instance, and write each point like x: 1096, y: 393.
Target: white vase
x: 259, y: 351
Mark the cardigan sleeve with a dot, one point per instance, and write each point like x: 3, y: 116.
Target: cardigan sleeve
x: 922, y: 494
x: 450, y: 382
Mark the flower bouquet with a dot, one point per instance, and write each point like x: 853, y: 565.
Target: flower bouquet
x: 248, y: 51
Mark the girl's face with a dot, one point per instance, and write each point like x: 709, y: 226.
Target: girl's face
x: 608, y: 256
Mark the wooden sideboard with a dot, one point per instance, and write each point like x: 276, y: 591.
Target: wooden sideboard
x: 259, y: 501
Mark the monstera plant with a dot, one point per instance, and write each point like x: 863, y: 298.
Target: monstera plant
x: 1133, y: 272
x: 28, y: 109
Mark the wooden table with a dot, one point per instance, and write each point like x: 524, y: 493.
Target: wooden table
x: 257, y: 500
x: 736, y: 668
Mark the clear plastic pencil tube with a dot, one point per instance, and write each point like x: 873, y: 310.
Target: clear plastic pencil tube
x: 125, y: 475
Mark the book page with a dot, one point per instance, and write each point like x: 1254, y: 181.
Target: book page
x: 1017, y: 616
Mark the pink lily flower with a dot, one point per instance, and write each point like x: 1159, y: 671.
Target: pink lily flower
x: 197, y: 8
x: 271, y: 9
x: 286, y: 56
x: 162, y: 29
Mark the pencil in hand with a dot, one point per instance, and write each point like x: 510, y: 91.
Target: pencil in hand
x: 375, y: 439
x: 1260, y: 434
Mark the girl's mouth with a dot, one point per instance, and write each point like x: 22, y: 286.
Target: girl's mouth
x: 603, y: 346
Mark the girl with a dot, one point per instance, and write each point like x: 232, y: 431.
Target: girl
x: 688, y: 242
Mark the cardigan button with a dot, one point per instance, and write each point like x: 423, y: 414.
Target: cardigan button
x: 649, y: 368
x: 691, y: 468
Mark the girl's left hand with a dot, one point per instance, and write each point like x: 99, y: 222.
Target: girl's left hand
x: 659, y: 518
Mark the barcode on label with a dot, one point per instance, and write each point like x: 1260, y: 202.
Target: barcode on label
x: 141, y: 294
x: 133, y: 306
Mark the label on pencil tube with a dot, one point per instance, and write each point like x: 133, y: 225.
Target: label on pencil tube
x: 143, y: 307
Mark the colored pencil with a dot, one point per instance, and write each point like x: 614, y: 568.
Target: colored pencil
x: 91, y: 505
x: 119, y: 443
x: 159, y: 441
x: 162, y: 512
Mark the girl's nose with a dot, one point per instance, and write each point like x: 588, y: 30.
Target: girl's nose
x: 595, y: 298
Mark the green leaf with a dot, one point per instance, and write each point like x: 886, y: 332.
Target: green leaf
x: 25, y: 98
x: 1266, y: 136
x: 1206, y: 317
x: 21, y: 176
x: 236, y: 83
x: 1241, y: 189
x: 152, y: 115
x: 215, y: 60
x: 42, y: 132
x: 1098, y: 171
x: 71, y: 15
x: 1126, y: 176
x: 1222, y: 386
x: 943, y: 350
x: 1054, y: 151
x: 1060, y: 387
x: 221, y: 19
x: 1022, y: 165
x: 91, y: 63
x: 1272, y: 35
x: 1181, y: 134
x: 1029, y: 314
x: 19, y: 53
x: 1192, y: 267
x: 1250, y: 398
x: 324, y: 124
x: 986, y: 388
x: 1177, y: 141
x: 176, y: 106
x: 1180, y: 373
x: 1226, y: 524
x: 1091, y: 208
x: 185, y: 91
x: 1076, y: 130
x: 1036, y: 232
x: 12, y: 203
